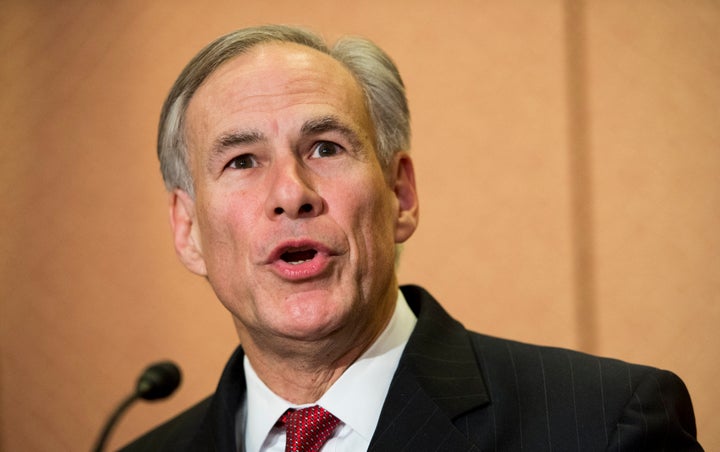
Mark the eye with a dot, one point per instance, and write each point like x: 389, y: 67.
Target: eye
x: 325, y: 149
x: 244, y: 161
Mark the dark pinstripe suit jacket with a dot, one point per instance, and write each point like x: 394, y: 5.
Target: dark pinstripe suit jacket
x: 460, y: 391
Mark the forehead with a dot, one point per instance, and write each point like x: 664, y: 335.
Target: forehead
x: 275, y: 80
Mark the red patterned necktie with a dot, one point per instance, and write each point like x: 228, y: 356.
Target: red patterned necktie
x: 307, y: 429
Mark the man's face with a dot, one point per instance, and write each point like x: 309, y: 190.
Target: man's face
x: 294, y: 221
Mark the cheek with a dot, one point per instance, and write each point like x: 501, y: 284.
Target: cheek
x: 374, y: 227
x: 226, y: 247
x: 224, y: 233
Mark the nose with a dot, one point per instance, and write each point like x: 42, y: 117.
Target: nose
x: 291, y: 192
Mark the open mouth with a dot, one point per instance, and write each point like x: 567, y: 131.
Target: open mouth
x: 296, y: 257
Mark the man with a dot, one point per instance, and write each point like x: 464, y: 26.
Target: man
x: 291, y: 189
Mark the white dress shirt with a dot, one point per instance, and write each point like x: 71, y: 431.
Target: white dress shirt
x: 356, y: 398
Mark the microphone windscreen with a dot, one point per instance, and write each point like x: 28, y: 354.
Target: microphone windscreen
x: 158, y: 381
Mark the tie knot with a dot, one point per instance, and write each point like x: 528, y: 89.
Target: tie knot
x: 308, y: 428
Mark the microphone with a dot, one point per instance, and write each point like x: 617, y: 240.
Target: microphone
x: 157, y: 381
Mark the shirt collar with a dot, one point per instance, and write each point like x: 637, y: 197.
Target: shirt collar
x: 356, y: 398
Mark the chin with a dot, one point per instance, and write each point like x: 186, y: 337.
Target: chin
x: 307, y: 331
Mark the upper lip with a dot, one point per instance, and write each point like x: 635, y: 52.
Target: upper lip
x: 291, y: 246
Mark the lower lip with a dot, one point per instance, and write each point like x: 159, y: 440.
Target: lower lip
x: 305, y: 270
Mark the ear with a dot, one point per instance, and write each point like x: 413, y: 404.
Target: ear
x: 406, y: 193
x: 185, y: 232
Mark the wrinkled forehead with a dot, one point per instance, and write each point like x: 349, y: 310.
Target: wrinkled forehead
x: 270, y: 74
x: 285, y: 81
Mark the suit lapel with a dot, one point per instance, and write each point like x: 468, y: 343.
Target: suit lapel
x: 217, y: 432
x: 437, y: 380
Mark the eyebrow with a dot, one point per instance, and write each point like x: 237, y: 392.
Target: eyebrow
x: 315, y: 126
x: 230, y: 140
x: 331, y: 124
x: 236, y: 138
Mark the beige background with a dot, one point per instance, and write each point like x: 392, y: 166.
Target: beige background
x: 568, y: 157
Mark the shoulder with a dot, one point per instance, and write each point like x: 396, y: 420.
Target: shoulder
x: 521, y: 359
x: 175, y: 434
x: 524, y: 368
x: 543, y: 395
x: 623, y: 405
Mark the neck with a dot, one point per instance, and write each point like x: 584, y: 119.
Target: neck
x: 302, y: 371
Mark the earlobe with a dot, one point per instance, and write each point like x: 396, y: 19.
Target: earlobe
x: 406, y: 193
x: 185, y: 232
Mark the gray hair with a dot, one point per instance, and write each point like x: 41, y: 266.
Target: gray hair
x: 371, y: 66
